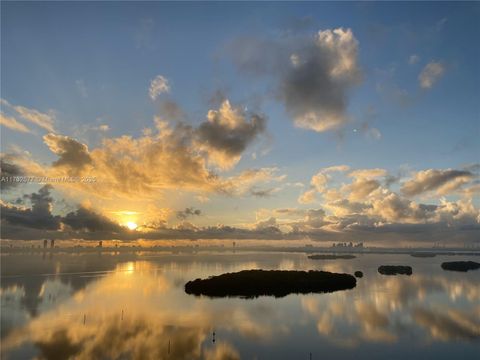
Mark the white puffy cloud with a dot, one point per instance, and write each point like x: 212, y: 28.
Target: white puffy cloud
x: 360, y: 188
x: 307, y: 197
x: 318, y: 183
x: 365, y: 205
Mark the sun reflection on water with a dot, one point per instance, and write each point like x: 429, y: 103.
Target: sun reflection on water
x: 140, y: 307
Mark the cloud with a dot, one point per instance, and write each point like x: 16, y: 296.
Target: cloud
x: 413, y: 59
x: 313, y: 75
x: 36, y: 117
x: 222, y: 351
x: 368, y: 173
x: 387, y: 218
x: 307, y: 197
x: 315, y: 89
x: 430, y: 74
x: 135, y: 167
x: 8, y: 168
x: 164, y: 158
x: 360, y: 188
x: 73, y: 155
x: 158, y: 85
x: 267, y: 226
x: 396, y: 209
x: 179, y: 158
x: 336, y: 168
x: 12, y: 123
x: 243, y: 183
x: 345, y: 207
x: 365, y: 206
x: 313, y: 220
x: 188, y: 212
x: 263, y: 193
x: 318, y: 183
x: 227, y: 133
x: 442, y: 181
x: 364, y: 183
x: 84, y: 219
x: 39, y: 216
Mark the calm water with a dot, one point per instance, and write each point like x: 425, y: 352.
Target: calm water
x: 120, y: 306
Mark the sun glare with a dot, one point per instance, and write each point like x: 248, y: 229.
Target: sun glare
x: 131, y: 225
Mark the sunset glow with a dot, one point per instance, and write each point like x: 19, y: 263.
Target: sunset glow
x: 131, y: 225
x: 215, y: 180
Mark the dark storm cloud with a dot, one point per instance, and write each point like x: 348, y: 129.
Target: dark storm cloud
x: 39, y: 216
x: 87, y: 220
x: 8, y: 168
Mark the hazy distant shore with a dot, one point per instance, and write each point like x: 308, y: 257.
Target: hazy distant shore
x: 418, y: 252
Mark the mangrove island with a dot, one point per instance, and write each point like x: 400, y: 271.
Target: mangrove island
x: 463, y: 266
x: 278, y: 283
x: 395, y: 270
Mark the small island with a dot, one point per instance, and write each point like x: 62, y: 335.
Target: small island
x: 330, y: 257
x: 423, y: 255
x: 278, y: 283
x: 463, y: 266
x: 358, y: 274
x: 395, y: 270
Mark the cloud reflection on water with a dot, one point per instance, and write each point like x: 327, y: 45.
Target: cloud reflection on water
x: 135, y: 309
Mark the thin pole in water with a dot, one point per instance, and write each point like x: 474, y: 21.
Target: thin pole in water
x: 122, y: 314
x: 84, y: 318
x: 168, y: 347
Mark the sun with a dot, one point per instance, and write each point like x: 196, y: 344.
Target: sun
x: 131, y: 225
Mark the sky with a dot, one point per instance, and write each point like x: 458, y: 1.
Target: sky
x: 323, y: 121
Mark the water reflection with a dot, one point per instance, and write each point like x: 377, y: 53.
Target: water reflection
x: 395, y: 307
x: 111, y: 308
